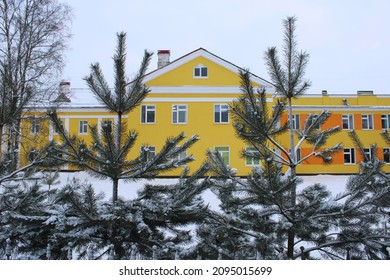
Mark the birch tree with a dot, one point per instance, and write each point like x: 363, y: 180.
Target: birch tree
x: 33, y: 38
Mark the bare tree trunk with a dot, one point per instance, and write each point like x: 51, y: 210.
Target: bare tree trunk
x: 115, y: 187
x: 118, y: 137
x: 2, y: 147
x: 293, y: 174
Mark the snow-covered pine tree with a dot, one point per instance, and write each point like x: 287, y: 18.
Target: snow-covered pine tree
x: 256, y: 210
x: 158, y: 221
x: 234, y: 231
x: 107, y: 156
x: 358, y: 218
x: 259, y: 127
x: 288, y: 78
x: 24, y: 210
x: 352, y: 224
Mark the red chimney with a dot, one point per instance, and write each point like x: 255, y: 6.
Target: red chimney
x: 163, y: 58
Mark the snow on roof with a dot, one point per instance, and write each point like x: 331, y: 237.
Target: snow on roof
x: 81, y: 98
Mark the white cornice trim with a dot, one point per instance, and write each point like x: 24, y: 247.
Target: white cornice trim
x: 188, y: 99
x: 193, y: 99
x: 341, y: 108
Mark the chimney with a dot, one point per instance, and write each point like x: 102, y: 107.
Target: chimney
x: 64, y: 92
x: 163, y: 58
x: 64, y: 87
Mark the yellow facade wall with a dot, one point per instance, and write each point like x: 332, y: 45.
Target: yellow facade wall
x: 178, y: 86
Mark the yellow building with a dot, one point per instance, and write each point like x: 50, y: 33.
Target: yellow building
x: 191, y: 94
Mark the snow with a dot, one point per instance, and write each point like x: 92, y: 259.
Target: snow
x: 128, y: 190
x: 334, y: 183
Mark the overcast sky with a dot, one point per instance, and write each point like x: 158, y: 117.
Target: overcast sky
x: 348, y: 40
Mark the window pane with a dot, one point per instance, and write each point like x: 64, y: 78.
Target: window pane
x: 251, y: 160
x: 196, y: 72
x: 83, y: 127
x: 217, y: 117
x: 224, y: 152
x: 367, y: 153
x: 385, y: 121
x: 217, y: 112
x: 225, y: 113
x: 349, y: 155
x: 143, y: 113
x: 296, y: 124
x: 204, y: 71
x: 347, y: 121
x: 367, y: 122
x: 150, y: 116
x: 179, y: 113
x: 182, y: 116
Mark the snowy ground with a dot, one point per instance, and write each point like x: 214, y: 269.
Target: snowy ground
x: 334, y: 183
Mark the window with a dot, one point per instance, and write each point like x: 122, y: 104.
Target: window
x: 107, y: 126
x: 385, y: 121
x: 200, y: 71
x: 295, y: 121
x: 148, y: 114
x: 83, y: 129
x: 386, y: 155
x: 35, y: 125
x: 313, y: 120
x: 221, y: 113
x: 348, y: 122
x: 368, y: 154
x: 148, y: 152
x: 367, y: 122
x: 251, y: 161
x: 179, y: 113
x: 56, y: 130
x: 225, y: 154
x: 182, y: 155
x: 349, y: 156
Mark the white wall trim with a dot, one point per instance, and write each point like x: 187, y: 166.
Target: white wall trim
x: 196, y: 90
x: 194, y: 99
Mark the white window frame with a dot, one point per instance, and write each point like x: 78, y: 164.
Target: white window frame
x: 35, y: 126
x: 176, y: 110
x: 224, y: 153
x: 249, y: 161
x: 315, y: 117
x: 181, y: 155
x: 83, y: 127
x: 385, y: 119
x: 368, y: 153
x: 200, y: 68
x: 145, y: 109
x: 348, y: 120
x: 369, y: 120
x: 352, y: 155
x: 151, y: 152
x: 296, y: 121
x: 222, y: 108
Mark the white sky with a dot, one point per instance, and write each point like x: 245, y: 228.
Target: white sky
x: 348, y: 40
